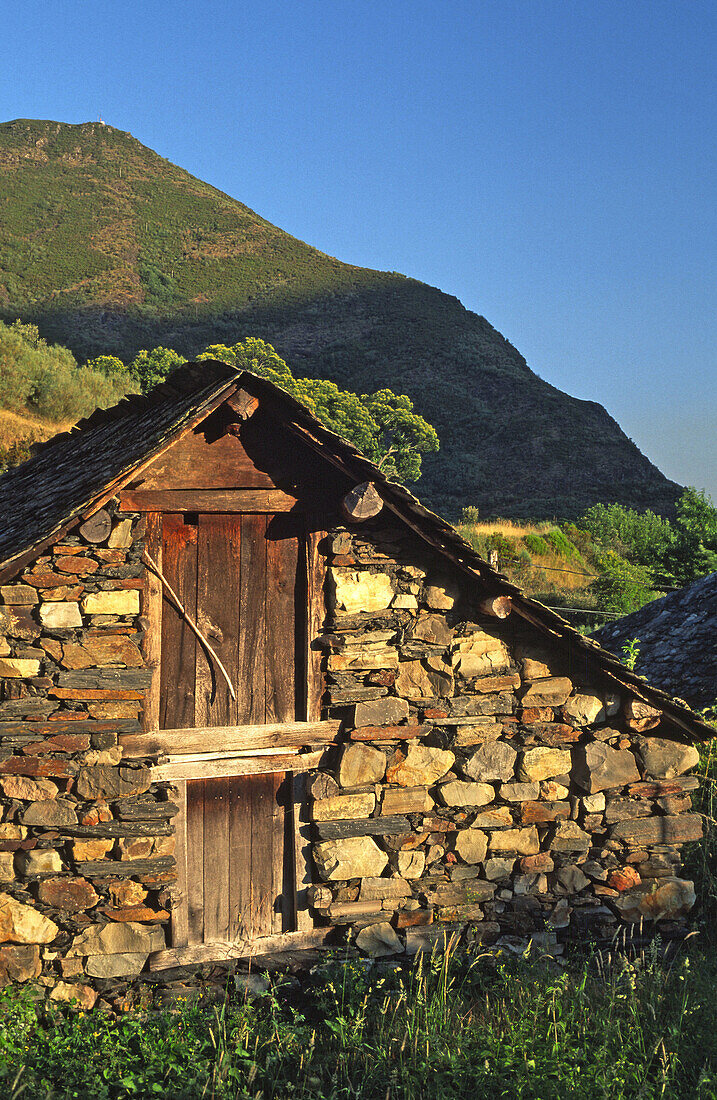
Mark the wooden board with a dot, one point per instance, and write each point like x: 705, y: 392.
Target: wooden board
x: 205, y: 460
x: 281, y: 735
x: 151, y: 609
x: 224, y: 950
x: 251, y: 701
x: 281, y: 640
x: 218, y: 615
x: 177, y: 680
x: 244, y: 501
x: 217, y: 796
x: 239, y: 765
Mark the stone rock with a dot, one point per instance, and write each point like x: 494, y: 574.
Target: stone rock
x: 471, y: 845
x: 425, y: 679
x: 624, y: 809
x: 658, y: 830
x: 597, y: 767
x: 569, y: 837
x: 404, y: 601
x: 117, y: 939
x: 534, y: 883
x: 73, y: 895
x: 541, y: 861
x: 432, y: 628
x: 114, y: 650
x: 18, y: 667
x: 519, y: 792
x: 104, y: 781
x: 361, y: 764
x: 640, y: 716
x: 458, y: 793
x: 542, y: 813
x: 583, y: 710
x: 93, y: 848
x: 39, y: 861
x: 594, y: 803
x: 411, y: 864
x: 117, y: 602
x: 18, y: 594
x: 19, y: 964
x: 145, y: 847
x: 662, y: 899
x: 252, y: 985
x: 22, y: 924
x: 537, y: 764
x: 353, y: 857
x: 33, y: 790
x: 360, y: 591
x: 420, y: 766
x: 60, y: 616
x: 343, y: 807
x: 498, y: 818
x: 56, y: 811
x: 664, y: 759
x: 560, y: 916
x: 479, y: 654
x: 552, y: 791
x: 379, y: 889
x: 363, y: 660
x: 84, y: 996
x: 552, y: 692
x: 128, y: 964
x: 523, y: 841
x: 491, y: 762
x: 126, y: 893
x: 440, y: 597
x: 378, y: 940
x: 7, y: 867
x: 380, y: 712
x: 499, y: 868
x: 624, y: 878
x: 406, y: 800
x: 12, y: 832
x: 572, y: 879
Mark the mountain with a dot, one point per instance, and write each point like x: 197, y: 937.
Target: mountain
x: 109, y: 247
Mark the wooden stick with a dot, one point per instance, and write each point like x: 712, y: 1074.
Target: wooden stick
x: 190, y: 621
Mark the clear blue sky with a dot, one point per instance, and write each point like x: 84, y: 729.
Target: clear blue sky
x: 550, y: 162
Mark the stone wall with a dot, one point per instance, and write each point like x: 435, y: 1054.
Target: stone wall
x: 485, y: 782
x: 489, y: 781
x: 85, y: 843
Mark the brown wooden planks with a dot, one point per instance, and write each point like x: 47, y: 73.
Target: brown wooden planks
x: 217, y: 795
x: 218, y: 595
x: 208, y: 500
x: 179, y: 555
x: 251, y: 701
x: 151, y: 599
x: 179, y: 926
x: 283, y: 735
x: 314, y: 620
x: 195, y: 861
x: 202, y: 461
x: 239, y: 859
x: 281, y: 575
x: 263, y: 789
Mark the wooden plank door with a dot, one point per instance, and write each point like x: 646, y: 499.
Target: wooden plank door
x: 239, y: 577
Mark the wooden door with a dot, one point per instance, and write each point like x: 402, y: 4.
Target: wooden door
x: 238, y: 576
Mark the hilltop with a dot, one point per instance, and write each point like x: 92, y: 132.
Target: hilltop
x: 108, y: 247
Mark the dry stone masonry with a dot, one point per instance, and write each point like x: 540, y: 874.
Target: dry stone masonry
x: 483, y: 783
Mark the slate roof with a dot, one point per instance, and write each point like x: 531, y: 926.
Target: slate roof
x: 71, y: 472
x: 677, y: 641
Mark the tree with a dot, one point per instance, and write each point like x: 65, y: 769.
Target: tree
x: 152, y: 367
x: 109, y: 365
x: 692, y: 552
x: 381, y: 425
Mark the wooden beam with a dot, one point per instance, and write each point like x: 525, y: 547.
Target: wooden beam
x: 207, y: 500
x: 178, y: 742
x: 238, y: 765
x: 361, y: 503
x: 222, y: 950
x: 498, y: 607
x: 315, y: 615
x: 97, y: 528
x: 243, y: 403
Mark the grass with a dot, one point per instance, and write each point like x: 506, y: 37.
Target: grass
x: 448, y: 1027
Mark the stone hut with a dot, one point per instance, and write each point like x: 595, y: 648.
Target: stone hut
x: 253, y: 696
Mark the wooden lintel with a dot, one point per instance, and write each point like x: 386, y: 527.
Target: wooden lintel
x: 216, y: 739
x: 222, y: 950
x: 238, y: 765
x: 244, y: 501
x: 498, y: 607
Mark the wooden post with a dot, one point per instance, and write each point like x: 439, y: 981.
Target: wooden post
x: 498, y: 607
x: 361, y: 503
x: 151, y: 600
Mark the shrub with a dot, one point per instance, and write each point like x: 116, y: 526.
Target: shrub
x: 536, y: 544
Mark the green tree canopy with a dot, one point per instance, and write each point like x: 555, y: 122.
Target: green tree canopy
x: 381, y: 425
x: 152, y: 367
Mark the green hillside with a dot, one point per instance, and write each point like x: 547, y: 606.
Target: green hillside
x: 108, y: 247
